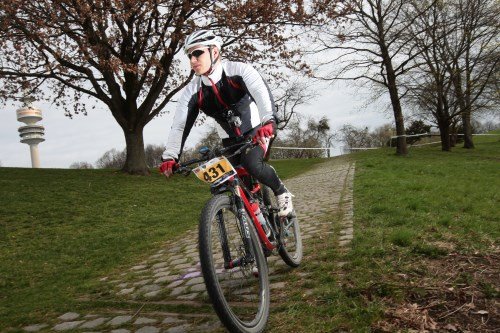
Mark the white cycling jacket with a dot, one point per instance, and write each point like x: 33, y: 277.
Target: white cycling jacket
x: 232, y: 86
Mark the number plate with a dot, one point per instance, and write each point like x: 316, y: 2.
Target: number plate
x: 218, y: 169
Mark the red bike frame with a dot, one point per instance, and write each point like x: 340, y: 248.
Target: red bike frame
x: 250, y: 208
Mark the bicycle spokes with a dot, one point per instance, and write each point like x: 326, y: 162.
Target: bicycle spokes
x: 235, y: 265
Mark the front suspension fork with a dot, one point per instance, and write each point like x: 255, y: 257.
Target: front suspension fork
x: 224, y: 241
x: 244, y: 231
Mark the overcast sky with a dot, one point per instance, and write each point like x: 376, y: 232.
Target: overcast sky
x: 86, y: 138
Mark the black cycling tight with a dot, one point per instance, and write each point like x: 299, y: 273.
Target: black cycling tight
x: 253, y: 161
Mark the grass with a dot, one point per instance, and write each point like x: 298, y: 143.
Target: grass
x: 430, y: 196
x: 426, y: 231
x: 61, y: 230
x: 425, y: 228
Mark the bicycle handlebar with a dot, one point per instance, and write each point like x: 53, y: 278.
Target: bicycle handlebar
x: 185, y: 169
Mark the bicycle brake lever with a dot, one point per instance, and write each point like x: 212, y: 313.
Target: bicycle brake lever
x: 185, y: 171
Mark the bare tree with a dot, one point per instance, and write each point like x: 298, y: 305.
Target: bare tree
x: 381, y: 135
x: 435, y: 100
x: 115, y: 159
x: 487, y: 126
x: 153, y: 155
x: 126, y: 54
x: 81, y: 165
x: 354, y: 137
x: 474, y: 54
x: 430, y: 87
x: 296, y: 135
x: 289, y: 98
x: 432, y: 96
x: 112, y: 159
x: 456, y: 65
x: 371, y: 46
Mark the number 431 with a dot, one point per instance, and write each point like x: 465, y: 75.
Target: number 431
x: 212, y: 173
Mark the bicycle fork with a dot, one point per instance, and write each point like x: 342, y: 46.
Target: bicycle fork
x: 244, y: 228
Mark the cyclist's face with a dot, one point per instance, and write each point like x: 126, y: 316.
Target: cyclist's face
x: 199, y: 58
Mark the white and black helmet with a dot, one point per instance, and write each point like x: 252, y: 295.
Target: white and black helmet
x: 202, y: 37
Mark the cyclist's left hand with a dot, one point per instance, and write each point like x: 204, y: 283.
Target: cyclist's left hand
x: 264, y: 132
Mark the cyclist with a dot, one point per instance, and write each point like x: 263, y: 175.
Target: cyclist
x: 238, y: 98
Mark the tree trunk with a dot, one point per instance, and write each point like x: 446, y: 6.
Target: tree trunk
x: 444, y: 131
x: 401, y: 147
x: 464, y: 105
x: 468, y: 143
x: 135, y: 163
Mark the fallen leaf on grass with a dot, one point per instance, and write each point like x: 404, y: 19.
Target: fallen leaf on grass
x: 481, y: 312
x: 451, y: 327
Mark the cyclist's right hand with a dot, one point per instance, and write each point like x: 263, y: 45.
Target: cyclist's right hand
x: 168, y: 167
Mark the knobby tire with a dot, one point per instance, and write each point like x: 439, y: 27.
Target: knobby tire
x: 239, y: 296
x: 290, y: 248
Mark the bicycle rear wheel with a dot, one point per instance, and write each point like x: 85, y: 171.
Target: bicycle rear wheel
x: 290, y: 247
x: 240, y: 295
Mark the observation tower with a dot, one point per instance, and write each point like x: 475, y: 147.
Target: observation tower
x: 31, y: 133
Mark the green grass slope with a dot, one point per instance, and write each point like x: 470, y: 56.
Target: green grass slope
x: 60, y: 230
x: 426, y: 249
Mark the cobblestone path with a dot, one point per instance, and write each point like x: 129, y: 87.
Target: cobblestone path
x: 171, y: 277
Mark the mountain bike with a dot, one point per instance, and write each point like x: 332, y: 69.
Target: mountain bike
x: 239, y: 228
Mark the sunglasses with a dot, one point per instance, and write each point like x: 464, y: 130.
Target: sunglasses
x: 196, y: 53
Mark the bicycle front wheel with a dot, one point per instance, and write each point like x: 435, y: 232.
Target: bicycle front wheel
x: 235, y: 270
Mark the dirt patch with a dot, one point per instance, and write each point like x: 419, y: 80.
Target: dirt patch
x: 455, y: 293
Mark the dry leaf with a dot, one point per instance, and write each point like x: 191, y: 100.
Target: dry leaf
x: 482, y: 312
x: 451, y: 327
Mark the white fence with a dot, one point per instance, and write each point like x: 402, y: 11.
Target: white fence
x: 343, y: 150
